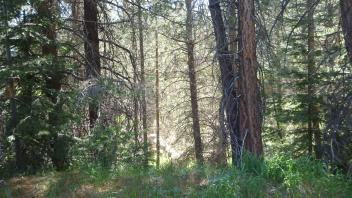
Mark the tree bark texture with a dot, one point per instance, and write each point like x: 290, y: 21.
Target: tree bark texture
x: 250, y: 103
x: 228, y: 109
x: 193, y: 83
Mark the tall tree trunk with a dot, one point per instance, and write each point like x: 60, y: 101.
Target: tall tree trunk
x: 250, y: 103
x: 91, y: 47
x: 157, y: 96
x: 143, y: 82
x: 346, y: 15
x: 232, y: 24
x: 313, y: 110
x: 193, y: 83
x: 228, y: 107
x: 135, y: 83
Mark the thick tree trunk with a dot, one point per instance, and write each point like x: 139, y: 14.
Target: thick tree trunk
x: 91, y: 47
x: 250, y: 103
x: 193, y: 83
x: 157, y: 96
x: 228, y: 107
x: 346, y: 15
x: 143, y: 83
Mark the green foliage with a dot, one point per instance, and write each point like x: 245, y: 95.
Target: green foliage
x: 41, y: 118
x: 276, y: 177
x: 292, y: 172
x: 287, y: 81
x: 223, y: 184
x: 108, y: 147
x: 37, y: 113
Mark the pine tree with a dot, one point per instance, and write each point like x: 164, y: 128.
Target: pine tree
x: 250, y: 115
x: 193, y: 83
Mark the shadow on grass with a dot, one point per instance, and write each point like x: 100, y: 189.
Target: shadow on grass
x: 169, y: 181
x: 281, y: 177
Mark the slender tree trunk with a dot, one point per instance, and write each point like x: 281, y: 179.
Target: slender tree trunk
x: 228, y: 107
x: 346, y: 15
x: 157, y: 96
x: 135, y: 83
x: 143, y: 82
x: 131, y: 9
x: 193, y: 83
x: 232, y: 23
x: 313, y: 110
x: 250, y: 103
x: 91, y: 47
x: 310, y: 70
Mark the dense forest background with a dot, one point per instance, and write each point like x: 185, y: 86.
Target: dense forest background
x: 233, y: 97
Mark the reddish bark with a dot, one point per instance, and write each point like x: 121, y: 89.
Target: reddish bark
x: 250, y: 103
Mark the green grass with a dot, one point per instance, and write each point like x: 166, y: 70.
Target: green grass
x: 277, y: 177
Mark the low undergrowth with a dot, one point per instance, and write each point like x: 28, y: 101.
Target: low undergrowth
x: 276, y: 177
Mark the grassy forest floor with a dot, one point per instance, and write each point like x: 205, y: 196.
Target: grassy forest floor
x: 279, y: 177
